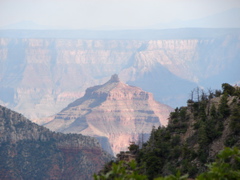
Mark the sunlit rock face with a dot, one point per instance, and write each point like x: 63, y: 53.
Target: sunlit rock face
x: 115, y: 110
x: 41, y: 76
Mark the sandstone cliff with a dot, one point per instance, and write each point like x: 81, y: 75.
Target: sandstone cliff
x: 41, y: 76
x: 29, y: 151
x: 114, y: 110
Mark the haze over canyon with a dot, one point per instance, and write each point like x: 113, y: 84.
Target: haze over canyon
x: 41, y: 73
x: 83, y: 81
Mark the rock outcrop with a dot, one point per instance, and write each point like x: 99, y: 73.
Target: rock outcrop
x: 29, y: 151
x: 115, y: 110
x: 195, y: 135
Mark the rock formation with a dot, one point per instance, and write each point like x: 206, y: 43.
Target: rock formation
x: 29, y: 151
x: 115, y: 110
x: 39, y: 75
x: 195, y: 135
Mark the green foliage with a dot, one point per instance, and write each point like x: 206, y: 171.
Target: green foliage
x: 175, y: 140
x: 122, y: 171
x: 226, y: 166
x: 213, y: 111
x: 178, y: 176
x: 218, y: 93
x: 202, y: 135
x: 179, y: 114
x: 185, y: 143
x: 190, y: 101
x: 223, y: 108
x: 235, y: 120
x: 231, y: 141
x: 228, y: 89
x: 237, y: 92
x: 179, y: 119
x: 213, y: 129
x: 183, y: 114
x: 167, y: 153
x: 133, y: 148
x: 234, y: 126
x: 202, y: 111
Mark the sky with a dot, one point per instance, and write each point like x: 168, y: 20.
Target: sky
x: 107, y: 14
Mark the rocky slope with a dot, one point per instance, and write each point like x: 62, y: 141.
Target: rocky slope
x: 114, y: 110
x: 40, y: 76
x: 195, y: 135
x: 29, y: 151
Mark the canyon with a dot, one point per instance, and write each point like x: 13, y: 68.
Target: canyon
x: 42, y: 72
x: 30, y: 151
x: 115, y: 113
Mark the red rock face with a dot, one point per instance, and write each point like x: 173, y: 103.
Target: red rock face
x: 114, y: 110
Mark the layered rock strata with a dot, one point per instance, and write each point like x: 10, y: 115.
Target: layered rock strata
x: 41, y: 76
x: 115, y: 110
x: 29, y: 151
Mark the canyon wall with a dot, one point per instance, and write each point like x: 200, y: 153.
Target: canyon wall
x: 29, y: 151
x: 40, y: 76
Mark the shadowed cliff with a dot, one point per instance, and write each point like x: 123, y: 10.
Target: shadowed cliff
x: 29, y: 151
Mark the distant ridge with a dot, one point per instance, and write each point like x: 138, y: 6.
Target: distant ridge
x: 41, y: 76
x: 149, y: 34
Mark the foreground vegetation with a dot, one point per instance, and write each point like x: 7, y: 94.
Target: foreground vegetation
x: 190, y: 143
x: 226, y: 166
